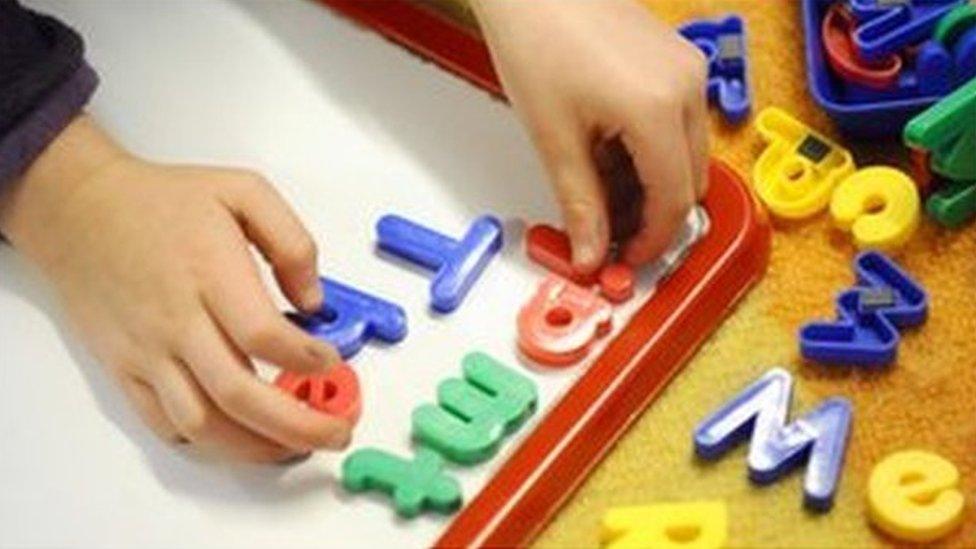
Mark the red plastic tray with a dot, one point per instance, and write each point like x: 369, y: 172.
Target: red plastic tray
x: 659, y: 339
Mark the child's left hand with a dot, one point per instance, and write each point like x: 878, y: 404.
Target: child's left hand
x: 582, y: 74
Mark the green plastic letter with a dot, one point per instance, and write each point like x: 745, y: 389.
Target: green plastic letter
x: 474, y: 414
x: 414, y: 485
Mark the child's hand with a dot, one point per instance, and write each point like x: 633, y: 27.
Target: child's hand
x: 584, y: 73
x: 153, y: 266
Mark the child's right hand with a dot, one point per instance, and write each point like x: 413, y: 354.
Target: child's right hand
x: 600, y: 84
x: 153, y: 266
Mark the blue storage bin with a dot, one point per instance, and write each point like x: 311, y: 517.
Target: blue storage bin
x: 884, y: 117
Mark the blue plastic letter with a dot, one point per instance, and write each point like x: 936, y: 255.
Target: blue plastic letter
x: 819, y: 438
x: 723, y: 42
x: 457, y: 264
x: 867, y: 335
x: 349, y: 318
x: 888, y: 27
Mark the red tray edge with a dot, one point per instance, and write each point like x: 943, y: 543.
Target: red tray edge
x: 549, y: 465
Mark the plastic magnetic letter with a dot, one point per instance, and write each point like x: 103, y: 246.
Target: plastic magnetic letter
x: 867, y: 335
x: 876, y: 270
x: 879, y: 206
x: 457, y: 264
x: 837, y: 34
x: 956, y: 32
x: 694, y: 524
x: 760, y: 410
x: 349, y: 318
x: 859, y: 336
x: 336, y: 392
x: 933, y: 72
x: 964, y: 56
x: 914, y: 496
x: 550, y: 247
x: 723, y: 42
x: 922, y: 170
x: 617, y: 282
x: 558, y: 325
x: 414, y: 485
x: 955, y: 23
x: 473, y: 414
x: 797, y: 172
x: 954, y: 205
x: 889, y: 26
x: 948, y: 131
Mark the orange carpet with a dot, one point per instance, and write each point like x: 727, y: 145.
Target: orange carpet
x: 926, y: 400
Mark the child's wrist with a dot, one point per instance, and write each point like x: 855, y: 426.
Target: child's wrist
x: 79, y: 152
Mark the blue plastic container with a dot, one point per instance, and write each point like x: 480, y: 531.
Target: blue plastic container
x: 884, y: 117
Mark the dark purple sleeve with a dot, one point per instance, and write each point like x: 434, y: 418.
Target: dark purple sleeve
x: 44, y: 84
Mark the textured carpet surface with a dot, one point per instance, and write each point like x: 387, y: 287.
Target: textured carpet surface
x: 927, y: 400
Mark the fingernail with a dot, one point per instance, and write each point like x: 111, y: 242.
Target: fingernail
x: 312, y: 296
x: 585, y: 255
x: 341, y: 440
x: 295, y: 460
x: 587, y: 252
x: 321, y: 354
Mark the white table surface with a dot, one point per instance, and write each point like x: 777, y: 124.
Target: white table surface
x: 349, y: 128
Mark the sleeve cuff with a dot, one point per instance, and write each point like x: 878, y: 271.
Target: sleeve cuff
x: 28, y: 139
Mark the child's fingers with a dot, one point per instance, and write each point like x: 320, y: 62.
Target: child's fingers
x: 263, y: 408
x: 240, y: 304
x: 696, y: 116
x: 273, y: 227
x: 567, y: 154
x: 147, y: 405
x: 665, y: 170
x: 696, y: 120
x: 206, y: 426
